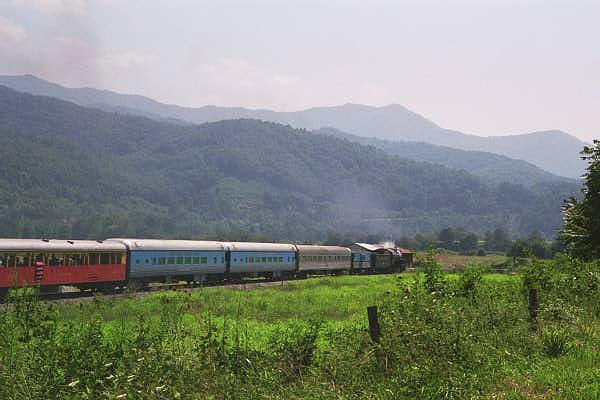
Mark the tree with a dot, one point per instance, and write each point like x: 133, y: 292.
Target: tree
x: 447, y: 238
x: 499, y: 240
x: 468, y: 243
x: 581, y: 229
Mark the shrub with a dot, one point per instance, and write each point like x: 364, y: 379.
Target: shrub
x: 434, y: 281
x: 555, y: 342
x: 469, y: 281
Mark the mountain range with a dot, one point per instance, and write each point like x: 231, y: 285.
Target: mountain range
x: 554, y: 151
x: 73, y: 171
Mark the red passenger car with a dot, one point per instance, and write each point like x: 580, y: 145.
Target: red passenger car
x: 50, y: 263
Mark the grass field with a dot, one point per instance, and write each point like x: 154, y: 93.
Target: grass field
x: 451, y: 261
x: 471, y: 337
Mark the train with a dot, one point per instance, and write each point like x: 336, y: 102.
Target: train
x: 129, y: 262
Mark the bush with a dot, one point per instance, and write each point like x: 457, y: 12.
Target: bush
x: 555, y: 342
x: 469, y: 281
x: 434, y: 281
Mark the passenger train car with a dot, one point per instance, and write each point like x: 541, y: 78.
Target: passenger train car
x: 119, y: 262
x: 86, y: 264
x: 152, y: 260
x: 323, y: 259
x: 273, y: 260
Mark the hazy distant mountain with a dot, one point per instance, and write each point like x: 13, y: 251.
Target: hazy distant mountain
x: 553, y: 151
x: 67, y: 170
x: 488, y: 166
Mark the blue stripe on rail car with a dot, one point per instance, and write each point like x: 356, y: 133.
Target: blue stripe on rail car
x: 262, y: 261
x: 181, y: 262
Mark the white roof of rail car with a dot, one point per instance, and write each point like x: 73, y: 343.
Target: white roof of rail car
x: 251, y: 246
x: 317, y: 249
x: 59, y: 245
x: 160, y: 244
x: 370, y: 247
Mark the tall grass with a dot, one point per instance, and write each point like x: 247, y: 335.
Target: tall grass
x: 443, y: 336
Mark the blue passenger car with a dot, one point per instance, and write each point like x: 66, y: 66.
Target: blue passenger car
x: 259, y: 258
x: 166, y: 260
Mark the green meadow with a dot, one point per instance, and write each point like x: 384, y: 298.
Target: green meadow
x: 458, y: 336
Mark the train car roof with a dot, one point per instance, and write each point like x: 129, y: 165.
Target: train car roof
x: 59, y: 245
x: 160, y: 244
x: 317, y: 249
x: 251, y: 246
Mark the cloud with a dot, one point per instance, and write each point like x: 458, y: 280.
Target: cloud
x: 54, y: 6
x: 10, y: 32
x: 120, y: 61
x: 242, y: 73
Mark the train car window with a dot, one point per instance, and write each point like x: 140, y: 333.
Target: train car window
x: 104, y: 258
x: 10, y: 260
x: 23, y: 260
x: 137, y: 261
x: 196, y: 260
x: 222, y: 259
x: 235, y: 259
x: 179, y: 260
x: 188, y: 260
x: 269, y: 259
x: 147, y: 261
x: 263, y: 259
x: 171, y: 260
x: 161, y: 261
x: 153, y: 260
x: 251, y: 259
x: 93, y: 258
x: 204, y: 260
x: 2, y: 262
x: 281, y: 259
x: 214, y: 260
x: 52, y: 260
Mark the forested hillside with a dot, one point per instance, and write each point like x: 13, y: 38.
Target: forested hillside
x: 488, y: 166
x: 553, y: 151
x: 70, y: 171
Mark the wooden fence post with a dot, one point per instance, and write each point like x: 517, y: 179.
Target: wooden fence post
x: 533, y: 307
x: 374, y: 329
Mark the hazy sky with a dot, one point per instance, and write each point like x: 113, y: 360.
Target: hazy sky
x: 483, y: 67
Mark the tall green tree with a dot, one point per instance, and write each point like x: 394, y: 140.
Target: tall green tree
x: 581, y: 228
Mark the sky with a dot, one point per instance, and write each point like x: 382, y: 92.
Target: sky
x: 482, y: 67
